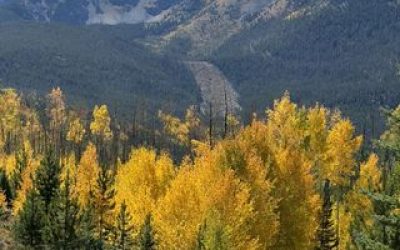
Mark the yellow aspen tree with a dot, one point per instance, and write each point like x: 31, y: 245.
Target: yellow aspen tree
x: 142, y: 181
x: 86, y: 175
x: 316, y: 133
x: 10, y: 111
x: 70, y: 169
x: 292, y: 170
x: 3, y: 202
x: 56, y: 109
x: 357, y: 203
x: 239, y: 155
x: 76, y: 131
x: 206, y: 194
x: 183, y: 131
x: 9, y: 163
x: 31, y: 128
x: 342, y: 149
x: 26, y: 184
x: 100, y: 125
x: 174, y: 127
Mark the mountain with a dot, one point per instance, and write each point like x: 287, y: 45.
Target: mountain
x: 342, y: 53
x: 93, y: 11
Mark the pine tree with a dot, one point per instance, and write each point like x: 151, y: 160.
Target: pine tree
x: 200, y: 237
x: 103, y: 201
x: 21, y: 163
x: 326, y: 231
x: 62, y: 221
x: 48, y: 179
x: 29, y: 224
x: 123, y: 229
x: 146, y: 236
x: 87, y: 228
x: 386, y: 231
x: 5, y: 186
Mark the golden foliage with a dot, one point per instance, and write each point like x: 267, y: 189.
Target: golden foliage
x: 27, y: 177
x: 76, y: 131
x: 3, y: 201
x: 100, y: 125
x: 204, y: 193
x: 86, y: 175
x: 342, y: 148
x: 183, y: 131
x: 142, y: 181
x: 56, y: 108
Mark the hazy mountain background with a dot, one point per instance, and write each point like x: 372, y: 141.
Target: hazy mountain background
x: 124, y: 52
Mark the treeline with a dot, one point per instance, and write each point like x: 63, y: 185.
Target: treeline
x: 298, y: 178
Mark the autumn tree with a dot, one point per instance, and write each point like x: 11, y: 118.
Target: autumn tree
x: 28, y: 174
x: 57, y: 113
x: 142, y: 181
x: 100, y: 129
x: 10, y: 112
x: 205, y: 192
x: 75, y: 134
x: 86, y: 176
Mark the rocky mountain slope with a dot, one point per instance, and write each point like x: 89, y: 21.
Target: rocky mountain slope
x: 94, y: 11
x: 339, y: 52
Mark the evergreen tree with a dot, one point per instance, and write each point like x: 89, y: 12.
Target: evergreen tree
x: 326, y: 233
x: 29, y: 223
x: 103, y: 201
x: 123, y: 229
x: 146, y: 236
x: 48, y: 179
x: 87, y: 229
x: 386, y: 231
x: 21, y: 163
x: 200, y: 237
x: 5, y: 186
x: 62, y: 221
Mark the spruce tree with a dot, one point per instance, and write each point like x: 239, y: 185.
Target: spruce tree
x: 29, y: 224
x: 386, y: 231
x: 103, y: 201
x: 21, y: 163
x: 200, y: 237
x: 326, y: 234
x: 48, y: 179
x: 5, y: 186
x: 87, y: 229
x: 62, y: 220
x: 146, y: 236
x: 123, y: 230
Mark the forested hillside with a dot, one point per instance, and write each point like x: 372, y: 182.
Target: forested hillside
x: 341, y: 53
x: 93, y: 64
x: 295, y: 178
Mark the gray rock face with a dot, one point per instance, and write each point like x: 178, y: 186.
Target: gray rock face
x: 126, y: 11
x: 92, y: 11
